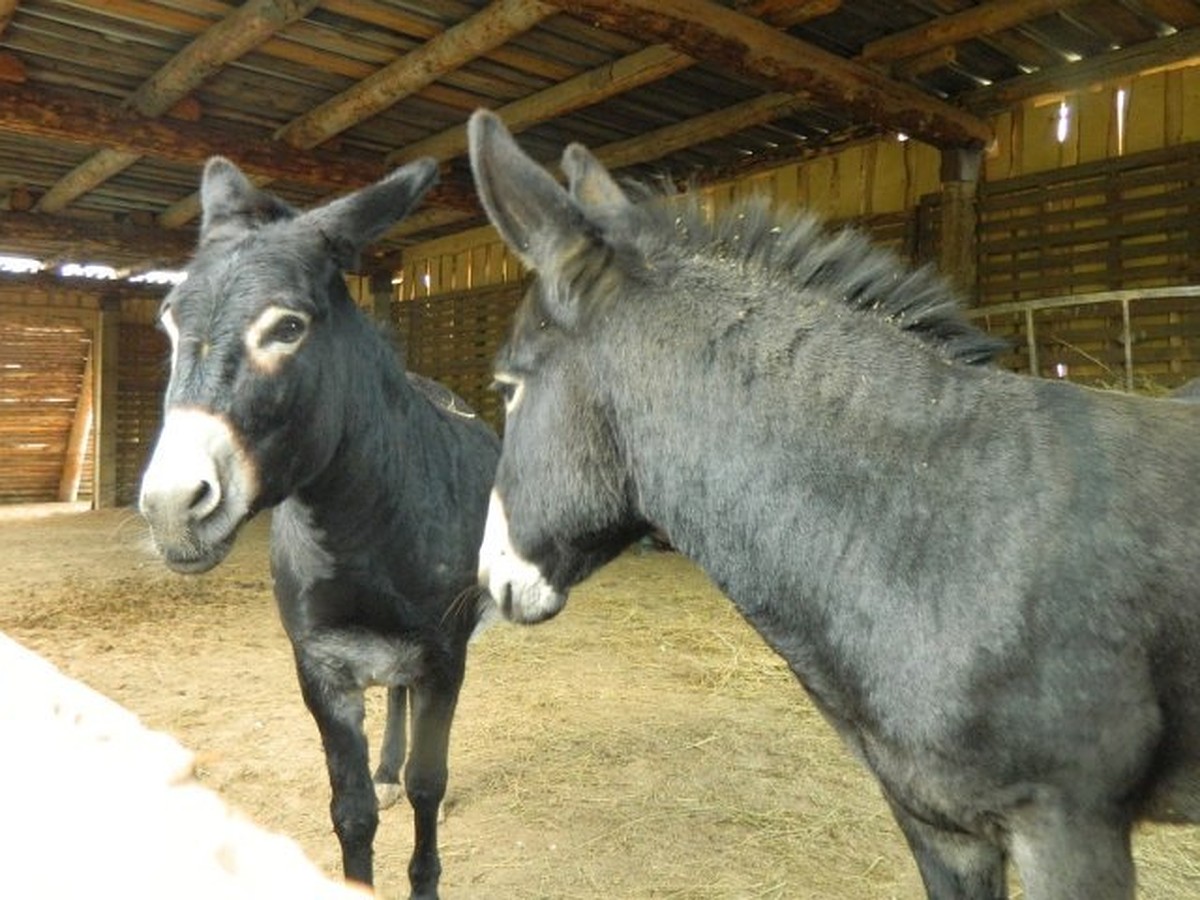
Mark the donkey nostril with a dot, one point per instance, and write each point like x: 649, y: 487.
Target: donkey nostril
x: 203, y: 498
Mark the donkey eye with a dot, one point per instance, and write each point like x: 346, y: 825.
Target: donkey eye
x: 510, y: 389
x: 287, y: 329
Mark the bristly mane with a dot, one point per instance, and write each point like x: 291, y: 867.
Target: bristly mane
x: 845, y: 265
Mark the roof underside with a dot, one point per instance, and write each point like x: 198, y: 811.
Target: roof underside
x: 109, y: 107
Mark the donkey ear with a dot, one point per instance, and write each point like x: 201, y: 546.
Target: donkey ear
x: 353, y: 222
x: 232, y: 205
x: 591, y: 184
x: 535, y: 216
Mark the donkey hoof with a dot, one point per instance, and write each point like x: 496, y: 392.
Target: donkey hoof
x: 388, y: 793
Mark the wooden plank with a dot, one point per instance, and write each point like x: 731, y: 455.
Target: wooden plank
x: 704, y: 29
x: 1147, y: 113
x: 496, y: 24
x: 79, y: 438
x: 242, y: 29
x: 1080, y: 75
x: 651, y: 64
x: 969, y: 24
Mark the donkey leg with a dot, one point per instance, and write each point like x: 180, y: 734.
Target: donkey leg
x: 1060, y: 854
x: 425, y: 780
x: 339, y: 711
x: 391, y: 754
x: 954, y: 865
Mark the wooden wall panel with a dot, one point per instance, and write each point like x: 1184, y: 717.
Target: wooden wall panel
x: 42, y: 364
x: 1109, y: 224
x: 453, y: 338
x: 142, y: 373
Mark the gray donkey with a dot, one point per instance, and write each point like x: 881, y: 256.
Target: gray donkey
x: 989, y: 583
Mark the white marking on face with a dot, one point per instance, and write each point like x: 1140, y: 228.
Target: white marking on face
x: 275, y: 335
x: 167, y: 320
x: 513, y: 391
x: 198, y: 469
x: 516, y: 584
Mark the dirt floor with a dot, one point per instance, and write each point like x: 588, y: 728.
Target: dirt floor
x: 643, y: 744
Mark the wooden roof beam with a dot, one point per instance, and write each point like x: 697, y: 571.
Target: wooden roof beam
x: 242, y: 30
x: 976, y: 22
x: 698, y: 130
x: 495, y: 25
x: 7, y: 8
x: 786, y: 13
x: 59, y: 115
x: 1079, y: 75
x: 231, y: 38
x: 650, y: 64
x: 707, y: 30
x: 90, y: 237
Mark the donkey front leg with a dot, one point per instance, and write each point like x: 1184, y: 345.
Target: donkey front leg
x: 338, y: 711
x: 425, y: 779
x: 1074, y: 853
x: 953, y: 865
x: 391, y: 754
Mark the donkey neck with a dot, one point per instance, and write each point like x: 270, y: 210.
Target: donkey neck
x: 363, y: 487
x: 810, y: 491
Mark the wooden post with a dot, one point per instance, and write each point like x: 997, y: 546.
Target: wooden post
x: 81, y: 432
x: 104, y: 352
x: 958, y: 258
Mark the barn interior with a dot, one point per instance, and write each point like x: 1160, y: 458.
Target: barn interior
x: 1044, y: 155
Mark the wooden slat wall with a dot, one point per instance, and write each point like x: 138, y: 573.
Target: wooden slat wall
x: 143, y: 369
x: 454, y: 338
x: 1129, y: 222
x: 41, y: 370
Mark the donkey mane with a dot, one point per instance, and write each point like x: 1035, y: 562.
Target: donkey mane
x: 796, y: 248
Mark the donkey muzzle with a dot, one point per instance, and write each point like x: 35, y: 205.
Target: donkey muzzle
x: 516, y: 584
x: 196, y: 491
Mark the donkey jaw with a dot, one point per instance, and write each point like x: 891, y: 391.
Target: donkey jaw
x: 197, y: 490
x: 521, y: 593
x: 195, y: 560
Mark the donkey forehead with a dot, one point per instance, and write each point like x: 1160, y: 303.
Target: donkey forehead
x: 241, y: 282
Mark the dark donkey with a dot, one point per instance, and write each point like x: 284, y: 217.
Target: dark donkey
x: 989, y: 583
x: 282, y: 394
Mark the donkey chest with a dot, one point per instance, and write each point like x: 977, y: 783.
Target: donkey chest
x: 361, y: 658
x: 356, y: 635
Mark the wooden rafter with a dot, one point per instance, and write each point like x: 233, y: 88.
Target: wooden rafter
x: 60, y: 115
x: 7, y: 8
x: 740, y: 36
x: 240, y: 31
x: 1105, y: 67
x: 754, y: 49
x: 496, y: 24
x: 588, y: 88
x: 88, y: 235
x: 975, y: 22
x: 651, y: 64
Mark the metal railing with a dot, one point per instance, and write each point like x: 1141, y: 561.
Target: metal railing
x: 1028, y: 308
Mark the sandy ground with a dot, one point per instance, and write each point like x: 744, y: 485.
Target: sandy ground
x: 643, y: 744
